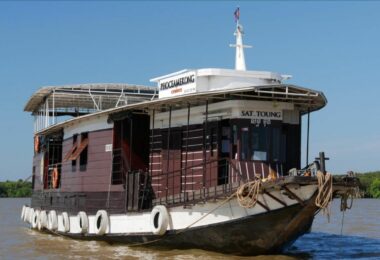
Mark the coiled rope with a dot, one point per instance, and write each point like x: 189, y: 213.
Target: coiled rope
x: 248, y: 193
x: 325, y: 192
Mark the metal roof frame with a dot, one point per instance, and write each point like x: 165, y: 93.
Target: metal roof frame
x: 304, y: 99
x: 93, y: 97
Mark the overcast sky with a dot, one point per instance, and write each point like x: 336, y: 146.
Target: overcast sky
x: 328, y: 46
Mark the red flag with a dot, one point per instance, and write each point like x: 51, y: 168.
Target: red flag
x: 237, y: 14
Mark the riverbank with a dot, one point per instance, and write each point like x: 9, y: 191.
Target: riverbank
x: 369, y: 186
x: 15, y: 189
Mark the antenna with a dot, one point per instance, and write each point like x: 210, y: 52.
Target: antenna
x: 239, y: 57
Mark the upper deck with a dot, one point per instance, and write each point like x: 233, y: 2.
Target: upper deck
x: 54, y: 104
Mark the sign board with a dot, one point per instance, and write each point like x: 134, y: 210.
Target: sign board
x: 108, y: 147
x: 184, y: 83
x: 259, y: 114
x: 261, y: 117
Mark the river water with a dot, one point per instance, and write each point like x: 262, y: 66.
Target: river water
x: 358, y: 238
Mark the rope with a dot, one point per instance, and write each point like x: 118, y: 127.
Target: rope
x: 325, y: 192
x: 343, y: 201
x: 248, y: 193
x: 344, y: 206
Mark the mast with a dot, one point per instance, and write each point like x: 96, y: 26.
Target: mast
x: 239, y: 57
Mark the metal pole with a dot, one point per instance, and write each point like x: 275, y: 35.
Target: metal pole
x: 187, y: 144
x: 322, y: 161
x: 204, y: 147
x: 151, y: 145
x: 54, y: 106
x: 307, y: 137
x: 168, y: 153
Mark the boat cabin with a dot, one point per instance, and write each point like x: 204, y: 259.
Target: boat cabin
x: 195, y: 136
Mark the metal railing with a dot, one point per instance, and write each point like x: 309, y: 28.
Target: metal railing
x: 200, y: 182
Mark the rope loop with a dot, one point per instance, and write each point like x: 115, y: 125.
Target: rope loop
x: 325, y: 192
x: 248, y: 193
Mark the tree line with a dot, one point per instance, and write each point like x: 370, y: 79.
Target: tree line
x: 15, y: 189
x: 369, y: 186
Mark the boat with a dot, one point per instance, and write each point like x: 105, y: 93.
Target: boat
x: 208, y: 158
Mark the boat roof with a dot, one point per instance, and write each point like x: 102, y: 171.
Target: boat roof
x: 304, y: 99
x: 89, y: 97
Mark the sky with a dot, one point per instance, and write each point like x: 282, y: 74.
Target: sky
x: 328, y: 46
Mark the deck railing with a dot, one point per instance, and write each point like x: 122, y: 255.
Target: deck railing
x: 200, y: 182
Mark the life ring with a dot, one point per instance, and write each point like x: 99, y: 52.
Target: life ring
x: 35, y: 218
x: 65, y: 222
x: 159, y: 220
x: 36, y: 144
x: 83, y: 222
x: 52, y: 220
x: 29, y: 217
x: 55, y: 177
x: 101, y: 222
x: 42, y: 220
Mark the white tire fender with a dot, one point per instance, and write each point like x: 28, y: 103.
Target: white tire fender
x: 65, y: 222
x: 26, y: 214
x: 52, y: 220
x: 159, y: 220
x: 42, y: 220
x: 102, y: 222
x: 35, y: 218
x: 30, y: 216
x: 83, y: 222
x: 23, y: 212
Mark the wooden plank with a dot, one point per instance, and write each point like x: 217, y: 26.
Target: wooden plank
x: 294, y: 195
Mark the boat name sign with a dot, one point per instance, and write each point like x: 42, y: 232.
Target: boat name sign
x: 178, y: 85
x: 267, y: 115
x: 261, y: 117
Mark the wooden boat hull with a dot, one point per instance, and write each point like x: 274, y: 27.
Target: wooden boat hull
x: 266, y: 233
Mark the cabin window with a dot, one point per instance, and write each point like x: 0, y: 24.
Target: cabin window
x: 244, y: 155
x: 260, y: 141
x: 235, y: 141
x: 84, y: 153
x: 69, y: 154
x: 75, y: 145
x: 78, y: 150
x: 225, y: 140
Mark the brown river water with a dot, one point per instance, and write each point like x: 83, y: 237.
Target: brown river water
x: 360, y: 239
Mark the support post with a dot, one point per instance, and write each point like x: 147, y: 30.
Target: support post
x: 204, y: 147
x: 168, y: 153
x: 187, y: 146
x: 151, y: 144
x: 53, y: 114
x: 307, y: 137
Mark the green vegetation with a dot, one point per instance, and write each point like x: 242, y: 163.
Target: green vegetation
x: 370, y: 184
x: 15, y: 189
